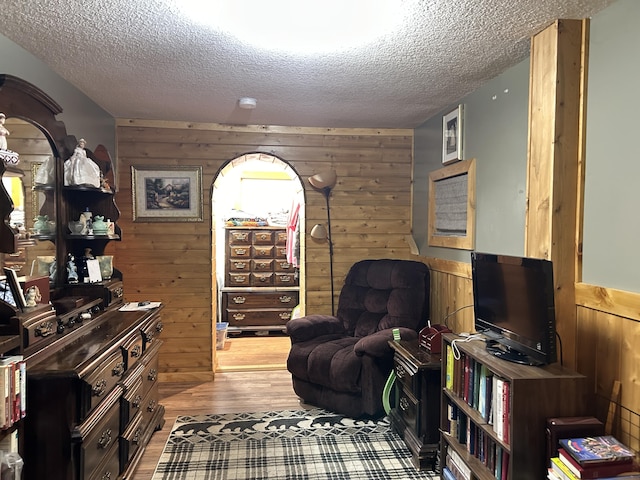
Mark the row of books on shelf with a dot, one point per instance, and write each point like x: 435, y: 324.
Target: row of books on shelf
x: 13, y: 390
x: 476, y: 440
x: 599, y: 457
x: 481, y: 389
x: 456, y: 469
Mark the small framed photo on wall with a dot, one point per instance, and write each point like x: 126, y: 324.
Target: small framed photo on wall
x: 452, y: 136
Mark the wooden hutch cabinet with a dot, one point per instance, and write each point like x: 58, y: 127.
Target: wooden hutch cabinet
x: 92, y: 400
x: 260, y: 286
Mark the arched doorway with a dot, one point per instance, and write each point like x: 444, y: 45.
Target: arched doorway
x: 256, y: 194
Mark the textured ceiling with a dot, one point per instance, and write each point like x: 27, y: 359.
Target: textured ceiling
x: 143, y: 59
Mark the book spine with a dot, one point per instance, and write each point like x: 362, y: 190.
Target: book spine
x: 449, y: 369
x: 562, y: 470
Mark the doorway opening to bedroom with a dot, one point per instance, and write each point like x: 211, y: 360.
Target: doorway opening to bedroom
x: 258, y: 260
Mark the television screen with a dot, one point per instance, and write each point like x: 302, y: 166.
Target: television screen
x: 514, y: 306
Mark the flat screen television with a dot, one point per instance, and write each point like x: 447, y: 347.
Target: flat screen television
x: 514, y: 307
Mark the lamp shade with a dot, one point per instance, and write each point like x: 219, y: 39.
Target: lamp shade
x: 324, y: 180
x: 319, y: 232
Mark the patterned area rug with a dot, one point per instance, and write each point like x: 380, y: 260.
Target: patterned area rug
x: 286, y: 445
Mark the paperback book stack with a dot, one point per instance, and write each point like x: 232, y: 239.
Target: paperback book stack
x: 601, y: 457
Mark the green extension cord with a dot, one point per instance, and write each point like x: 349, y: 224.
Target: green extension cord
x: 386, y: 393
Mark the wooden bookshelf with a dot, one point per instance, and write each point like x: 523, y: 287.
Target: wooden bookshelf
x: 534, y: 394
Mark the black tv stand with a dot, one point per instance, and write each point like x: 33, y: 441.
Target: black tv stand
x: 505, y: 353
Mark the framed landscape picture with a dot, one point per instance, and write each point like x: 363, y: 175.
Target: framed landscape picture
x: 452, y: 136
x: 167, y: 194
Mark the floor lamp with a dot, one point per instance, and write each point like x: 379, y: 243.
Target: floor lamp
x: 324, y: 182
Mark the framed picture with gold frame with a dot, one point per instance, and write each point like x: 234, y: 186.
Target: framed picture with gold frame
x: 167, y: 194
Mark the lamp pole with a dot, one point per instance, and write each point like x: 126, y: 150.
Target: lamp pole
x: 327, y: 192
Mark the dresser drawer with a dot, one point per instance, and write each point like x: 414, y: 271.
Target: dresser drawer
x: 285, y: 279
x: 150, y: 373
x: 239, y: 237
x: 99, y: 443
x: 110, y: 467
x: 408, y: 407
x: 237, y: 265
x: 248, y: 300
x: 150, y: 405
x: 262, y: 279
x: 263, y: 237
x: 240, y: 252
x: 265, y: 265
x: 281, y: 237
x: 281, y: 252
x: 262, y: 251
x: 247, y: 318
x: 132, y: 350
x: 283, y: 266
x: 131, y: 439
x: 101, y: 381
x: 407, y: 376
x: 130, y: 403
x: 238, y: 279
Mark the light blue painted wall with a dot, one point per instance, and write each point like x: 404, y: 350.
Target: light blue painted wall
x: 496, y: 135
x: 612, y: 183
x: 81, y: 116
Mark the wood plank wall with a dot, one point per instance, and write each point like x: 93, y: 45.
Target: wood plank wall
x: 171, y: 262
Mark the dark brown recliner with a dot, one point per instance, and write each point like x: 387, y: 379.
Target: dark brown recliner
x: 342, y: 363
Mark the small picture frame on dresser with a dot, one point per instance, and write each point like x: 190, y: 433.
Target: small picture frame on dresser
x: 16, y: 290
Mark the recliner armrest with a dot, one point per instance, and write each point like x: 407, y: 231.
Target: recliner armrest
x: 312, y: 326
x: 377, y: 344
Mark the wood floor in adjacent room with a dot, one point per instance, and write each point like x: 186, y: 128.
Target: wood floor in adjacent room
x: 251, y: 377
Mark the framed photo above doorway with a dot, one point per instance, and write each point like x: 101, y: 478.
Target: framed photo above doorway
x: 167, y: 194
x: 452, y: 137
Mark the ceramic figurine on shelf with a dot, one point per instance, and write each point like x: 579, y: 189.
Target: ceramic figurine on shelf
x: 33, y: 296
x: 80, y: 170
x: 72, y: 269
x: 3, y: 132
x: 99, y: 225
x: 7, y: 156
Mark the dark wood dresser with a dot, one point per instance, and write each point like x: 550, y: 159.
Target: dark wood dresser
x: 92, y: 402
x: 260, y: 286
x: 416, y: 414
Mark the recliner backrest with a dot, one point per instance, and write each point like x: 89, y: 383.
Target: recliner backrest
x: 385, y: 293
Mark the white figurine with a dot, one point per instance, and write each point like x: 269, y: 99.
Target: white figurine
x: 3, y: 132
x: 81, y: 170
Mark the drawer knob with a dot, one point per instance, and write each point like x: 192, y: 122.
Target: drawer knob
x: 238, y: 316
x: 118, y: 370
x: 285, y: 299
x: 263, y: 236
x: 152, y: 405
x: 239, y: 279
x: 400, y: 371
x: 105, y: 439
x: 153, y: 375
x: 137, y: 436
x: 44, y: 329
x: 239, y: 265
x: 106, y: 476
x: 285, y: 278
x: 137, y: 400
x: 239, y: 300
x: 99, y: 388
x: 136, y: 351
x: 404, y: 404
x: 241, y: 251
x: 285, y: 315
x: 159, y: 327
x: 242, y: 236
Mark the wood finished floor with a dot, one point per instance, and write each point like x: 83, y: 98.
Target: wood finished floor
x: 250, y: 377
